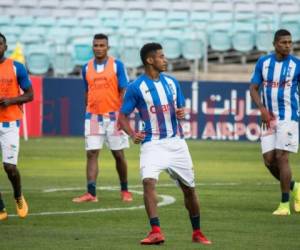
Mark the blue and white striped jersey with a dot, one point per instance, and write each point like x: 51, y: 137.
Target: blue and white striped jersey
x: 279, y: 82
x: 156, y: 102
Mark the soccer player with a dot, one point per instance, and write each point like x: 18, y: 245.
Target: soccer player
x: 278, y: 75
x: 160, y: 103
x: 105, y: 82
x: 13, y: 76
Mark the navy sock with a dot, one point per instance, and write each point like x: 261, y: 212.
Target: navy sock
x: 2, y: 206
x: 285, y: 197
x: 292, y: 185
x: 154, y: 222
x: 195, y: 221
x: 124, y: 186
x: 91, y: 187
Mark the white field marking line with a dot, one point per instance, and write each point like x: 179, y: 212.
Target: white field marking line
x: 50, y: 190
x: 166, y: 200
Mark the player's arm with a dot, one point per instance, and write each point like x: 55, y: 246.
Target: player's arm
x: 256, y: 81
x: 83, y: 72
x: 129, y: 104
x: 123, y: 79
x: 180, y: 102
x: 25, y: 85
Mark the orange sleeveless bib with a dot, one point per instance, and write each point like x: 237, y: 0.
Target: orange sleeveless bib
x: 9, y: 87
x: 103, y: 92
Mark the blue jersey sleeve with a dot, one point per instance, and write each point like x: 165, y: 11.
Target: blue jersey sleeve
x: 130, y: 100
x: 22, y: 76
x: 121, y: 75
x: 180, y: 98
x: 83, y: 72
x: 257, y: 74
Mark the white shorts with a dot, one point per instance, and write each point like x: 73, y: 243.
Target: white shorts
x: 282, y: 135
x: 171, y: 155
x: 104, y: 132
x: 9, y: 141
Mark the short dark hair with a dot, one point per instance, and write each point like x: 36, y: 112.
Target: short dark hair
x: 147, y: 49
x: 280, y: 33
x: 3, y: 37
x: 100, y: 36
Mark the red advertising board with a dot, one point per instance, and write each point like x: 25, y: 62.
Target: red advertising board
x: 33, y: 110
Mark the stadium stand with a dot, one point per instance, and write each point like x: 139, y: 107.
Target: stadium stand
x: 233, y: 30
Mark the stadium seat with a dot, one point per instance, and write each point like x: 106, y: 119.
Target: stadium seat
x: 137, y: 5
x: 291, y: 22
x: 113, y: 23
x: 93, y: 4
x: 23, y: 21
x: 221, y: 11
x: 58, y: 35
x: 199, y: 19
x: 114, y: 45
x: 45, y: 21
x: 181, y: 5
x: 193, y: 45
x: 90, y: 22
x: 148, y: 36
x: 38, y: 61
x: 159, y: 5
x: 62, y: 63
x: 11, y: 30
x: 264, y: 38
x: 243, y: 37
x: 5, y: 3
x: 35, y: 30
x: 61, y: 13
x: 86, y: 13
x: 220, y: 36
x: 28, y: 3
x: 69, y: 22
x: 133, y: 14
x: 155, y: 14
x: 4, y: 21
x: 107, y: 14
x: 155, y: 24
x: 82, y: 50
x: 73, y: 4
x: 244, y: 11
x: 49, y: 4
x: 178, y: 19
x: 171, y: 43
x: 115, y: 5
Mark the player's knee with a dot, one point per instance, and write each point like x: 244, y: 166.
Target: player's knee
x: 92, y: 154
x: 10, y: 169
x: 118, y: 155
x: 281, y: 156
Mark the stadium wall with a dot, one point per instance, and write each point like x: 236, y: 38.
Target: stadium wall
x: 215, y: 110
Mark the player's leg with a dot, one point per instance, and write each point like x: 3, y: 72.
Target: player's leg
x: 122, y: 168
x: 117, y: 142
x: 3, y: 213
x: 10, y: 151
x: 150, y: 201
x: 286, y: 142
x: 192, y: 205
x: 150, y: 168
x: 93, y: 145
x: 271, y: 164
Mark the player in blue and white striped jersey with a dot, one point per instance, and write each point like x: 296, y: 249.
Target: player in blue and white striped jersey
x: 160, y: 103
x: 277, y: 75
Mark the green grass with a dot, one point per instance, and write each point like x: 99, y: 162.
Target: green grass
x: 237, y: 197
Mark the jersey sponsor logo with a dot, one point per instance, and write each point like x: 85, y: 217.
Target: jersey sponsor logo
x: 276, y: 84
x: 6, y: 80
x: 159, y: 108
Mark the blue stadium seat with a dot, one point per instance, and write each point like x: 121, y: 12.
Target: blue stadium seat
x: 264, y: 38
x: 178, y: 19
x: 69, y: 22
x: 220, y: 36
x: 91, y: 22
x: 38, y: 61
x: 47, y: 22
x: 171, y: 43
x: 193, y: 44
x: 243, y: 37
x: 130, y: 53
x: 23, y: 21
x: 63, y: 63
x: 199, y: 19
x: 5, y: 20
x: 82, y: 50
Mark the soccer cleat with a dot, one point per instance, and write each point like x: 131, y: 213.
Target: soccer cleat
x: 153, y: 238
x: 87, y: 197
x: 296, y: 196
x: 126, y: 196
x: 3, y: 214
x: 283, y: 209
x: 199, y: 237
x: 22, y: 207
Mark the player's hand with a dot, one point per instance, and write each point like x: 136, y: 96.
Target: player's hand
x: 266, y: 118
x: 5, y: 102
x: 180, y: 113
x: 138, y: 137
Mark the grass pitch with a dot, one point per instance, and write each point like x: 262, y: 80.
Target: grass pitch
x: 237, y: 197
